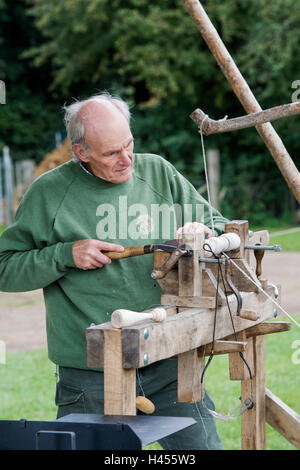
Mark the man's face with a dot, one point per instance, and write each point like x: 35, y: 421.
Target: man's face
x: 110, y: 144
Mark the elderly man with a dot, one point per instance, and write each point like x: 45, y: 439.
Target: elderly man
x: 106, y: 198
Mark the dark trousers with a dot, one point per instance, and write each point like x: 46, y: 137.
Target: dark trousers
x: 82, y: 391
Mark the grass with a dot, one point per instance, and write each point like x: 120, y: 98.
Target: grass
x: 27, y: 382
x: 288, y: 241
x: 282, y: 378
x: 28, y: 387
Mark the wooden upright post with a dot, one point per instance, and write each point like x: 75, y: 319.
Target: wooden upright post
x: 190, y: 365
x: 253, y: 421
x: 119, y: 383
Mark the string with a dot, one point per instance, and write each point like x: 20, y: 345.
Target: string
x: 263, y: 291
x: 139, y: 381
x: 206, y: 176
x: 248, y: 402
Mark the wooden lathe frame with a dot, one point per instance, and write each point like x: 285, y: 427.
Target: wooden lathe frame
x: 189, y: 299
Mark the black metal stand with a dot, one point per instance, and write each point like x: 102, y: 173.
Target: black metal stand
x: 89, y: 432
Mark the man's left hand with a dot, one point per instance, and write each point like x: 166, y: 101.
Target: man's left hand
x: 194, y: 227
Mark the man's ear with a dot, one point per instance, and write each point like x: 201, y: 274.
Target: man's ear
x: 80, y: 152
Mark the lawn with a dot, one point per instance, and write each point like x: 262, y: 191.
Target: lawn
x: 27, y: 381
x: 28, y: 386
x: 288, y: 241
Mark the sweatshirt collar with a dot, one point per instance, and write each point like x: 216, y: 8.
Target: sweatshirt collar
x: 85, y: 169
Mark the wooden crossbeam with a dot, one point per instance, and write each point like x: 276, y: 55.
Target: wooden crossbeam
x: 191, y: 329
x: 210, y: 126
x: 282, y: 418
x: 188, y: 301
x: 222, y: 347
x: 240, y: 87
x: 267, y: 328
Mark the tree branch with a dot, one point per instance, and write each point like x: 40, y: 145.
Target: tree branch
x: 241, y: 88
x: 210, y: 126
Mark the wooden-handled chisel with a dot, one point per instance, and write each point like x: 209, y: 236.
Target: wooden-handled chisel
x: 130, y: 251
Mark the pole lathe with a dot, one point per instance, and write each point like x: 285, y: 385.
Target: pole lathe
x: 185, y: 334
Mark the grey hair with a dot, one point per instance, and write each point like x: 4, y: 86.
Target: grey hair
x: 75, y: 125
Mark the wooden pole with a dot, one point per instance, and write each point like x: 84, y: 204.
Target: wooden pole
x: 282, y: 418
x: 119, y: 383
x: 210, y: 126
x: 190, y: 365
x: 253, y: 422
x: 245, y: 95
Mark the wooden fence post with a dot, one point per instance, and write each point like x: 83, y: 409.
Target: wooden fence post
x: 213, y: 166
x: 8, y: 184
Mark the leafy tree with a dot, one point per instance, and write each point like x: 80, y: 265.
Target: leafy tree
x: 30, y: 116
x: 152, y: 55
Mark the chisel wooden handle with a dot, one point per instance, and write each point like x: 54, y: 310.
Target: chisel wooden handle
x: 122, y: 318
x: 129, y: 251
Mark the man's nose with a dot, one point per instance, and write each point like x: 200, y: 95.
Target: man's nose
x: 125, y: 155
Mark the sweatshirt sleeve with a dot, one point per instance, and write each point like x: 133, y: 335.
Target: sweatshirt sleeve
x: 28, y: 258
x: 184, y: 193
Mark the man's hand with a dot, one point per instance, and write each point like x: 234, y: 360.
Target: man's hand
x: 194, y: 227
x: 87, y: 254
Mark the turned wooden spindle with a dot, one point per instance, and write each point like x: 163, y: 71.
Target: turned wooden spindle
x: 121, y: 318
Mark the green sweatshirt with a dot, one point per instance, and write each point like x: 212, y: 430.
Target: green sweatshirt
x: 68, y: 204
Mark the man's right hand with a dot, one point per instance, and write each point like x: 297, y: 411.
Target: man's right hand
x: 87, y: 254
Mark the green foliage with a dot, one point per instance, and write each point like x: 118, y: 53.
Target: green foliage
x: 152, y: 55
x: 30, y: 116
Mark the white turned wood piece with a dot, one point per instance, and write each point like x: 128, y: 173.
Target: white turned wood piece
x: 226, y: 242
x: 121, y: 318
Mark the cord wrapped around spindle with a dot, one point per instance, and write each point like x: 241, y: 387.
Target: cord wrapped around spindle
x: 226, y: 242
